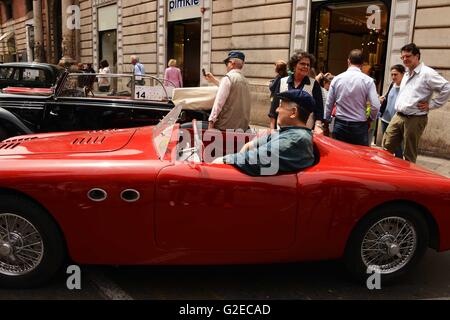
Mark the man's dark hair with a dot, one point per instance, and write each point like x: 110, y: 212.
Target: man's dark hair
x: 299, y: 55
x: 412, y: 48
x: 356, y: 57
x: 400, y: 68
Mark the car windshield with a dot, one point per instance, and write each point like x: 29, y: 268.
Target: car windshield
x: 115, y: 86
x: 162, y: 132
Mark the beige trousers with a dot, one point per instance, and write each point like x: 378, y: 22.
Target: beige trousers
x: 406, y: 128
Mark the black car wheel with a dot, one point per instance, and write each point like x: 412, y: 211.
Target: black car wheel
x: 31, y: 246
x: 391, y: 241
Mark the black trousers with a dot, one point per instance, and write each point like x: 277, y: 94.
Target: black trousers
x: 351, y: 132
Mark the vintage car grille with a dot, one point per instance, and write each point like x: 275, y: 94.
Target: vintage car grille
x: 89, y: 140
x: 10, y: 144
x: 19, y: 140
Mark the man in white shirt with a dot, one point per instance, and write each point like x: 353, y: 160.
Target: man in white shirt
x: 350, y: 91
x: 413, y: 103
x: 231, y: 109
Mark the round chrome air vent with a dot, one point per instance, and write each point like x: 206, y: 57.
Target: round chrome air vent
x: 130, y: 195
x: 97, y: 194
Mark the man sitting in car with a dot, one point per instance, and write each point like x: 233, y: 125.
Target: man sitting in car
x: 286, y: 150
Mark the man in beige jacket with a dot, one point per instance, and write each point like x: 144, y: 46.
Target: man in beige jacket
x: 231, y: 109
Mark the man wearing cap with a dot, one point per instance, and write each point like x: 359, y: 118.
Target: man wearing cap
x: 231, y: 109
x: 288, y: 149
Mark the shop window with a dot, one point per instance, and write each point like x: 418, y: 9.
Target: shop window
x: 107, y: 34
x: 29, y: 5
x: 8, y: 10
x: 11, y: 44
x: 340, y: 27
x: 108, y: 47
x: 183, y: 45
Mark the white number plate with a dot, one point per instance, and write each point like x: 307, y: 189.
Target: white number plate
x: 152, y: 93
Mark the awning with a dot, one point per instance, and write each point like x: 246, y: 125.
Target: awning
x: 6, y: 36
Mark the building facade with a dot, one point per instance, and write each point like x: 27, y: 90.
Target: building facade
x: 199, y: 33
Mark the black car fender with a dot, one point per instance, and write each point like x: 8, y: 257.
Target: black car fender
x: 10, y: 125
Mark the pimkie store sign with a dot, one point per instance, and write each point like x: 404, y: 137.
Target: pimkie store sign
x: 183, y: 9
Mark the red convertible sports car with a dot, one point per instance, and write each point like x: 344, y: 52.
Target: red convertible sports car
x: 124, y: 197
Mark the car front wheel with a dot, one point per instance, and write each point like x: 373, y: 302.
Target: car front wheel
x: 31, y: 245
x: 389, y: 241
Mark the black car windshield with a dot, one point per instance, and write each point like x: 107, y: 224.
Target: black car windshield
x: 162, y: 132
x: 114, y: 86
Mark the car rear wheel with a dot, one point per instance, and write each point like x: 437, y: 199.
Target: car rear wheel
x: 389, y: 241
x: 31, y: 245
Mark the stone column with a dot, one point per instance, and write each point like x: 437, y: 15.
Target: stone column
x: 38, y: 31
x: 77, y: 35
x: 301, y: 11
x: 67, y: 34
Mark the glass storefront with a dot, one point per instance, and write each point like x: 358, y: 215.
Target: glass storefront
x: 108, y: 48
x: 107, y: 33
x: 183, y: 45
x: 337, y: 27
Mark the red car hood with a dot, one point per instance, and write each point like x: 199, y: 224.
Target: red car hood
x: 385, y: 158
x: 67, y: 142
x: 347, y: 153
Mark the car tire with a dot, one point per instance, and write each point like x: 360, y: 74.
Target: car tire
x: 32, y: 248
x: 397, y: 233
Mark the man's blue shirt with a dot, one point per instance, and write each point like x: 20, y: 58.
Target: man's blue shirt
x: 287, y: 150
x: 139, y: 69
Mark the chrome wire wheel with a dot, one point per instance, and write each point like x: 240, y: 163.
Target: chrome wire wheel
x: 21, y: 245
x: 389, y: 245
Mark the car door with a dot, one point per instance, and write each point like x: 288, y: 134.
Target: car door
x: 81, y: 113
x: 28, y: 109
x: 216, y: 208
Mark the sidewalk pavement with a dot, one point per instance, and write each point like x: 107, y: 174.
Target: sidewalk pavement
x: 438, y: 165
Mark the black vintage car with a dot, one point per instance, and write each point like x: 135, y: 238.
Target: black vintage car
x: 86, y: 101
x: 29, y: 75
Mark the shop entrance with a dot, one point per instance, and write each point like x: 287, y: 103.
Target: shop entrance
x: 337, y: 27
x: 108, y: 48
x: 183, y: 45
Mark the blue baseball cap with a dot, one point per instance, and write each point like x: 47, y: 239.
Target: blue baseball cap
x: 300, y: 97
x: 235, y: 54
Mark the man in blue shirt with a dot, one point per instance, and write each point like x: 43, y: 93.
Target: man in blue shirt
x: 287, y: 150
x: 138, y: 70
x: 350, y: 91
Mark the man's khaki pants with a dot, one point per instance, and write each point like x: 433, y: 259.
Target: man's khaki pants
x: 406, y: 128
